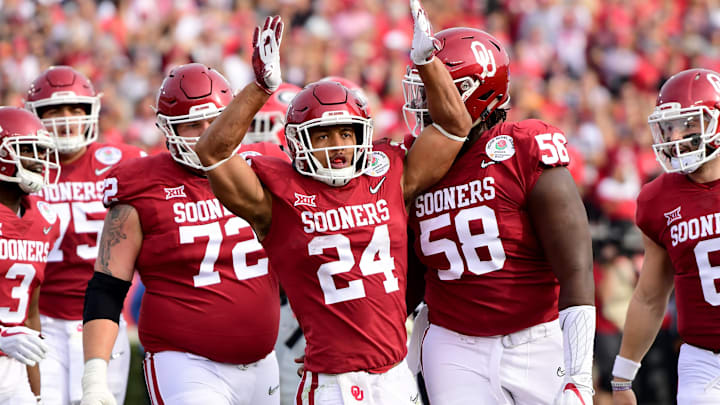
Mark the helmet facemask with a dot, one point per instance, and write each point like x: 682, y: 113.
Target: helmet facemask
x: 35, y: 158
x: 265, y: 127
x: 70, y: 133
x: 697, y: 142
x: 182, y: 148
x: 299, y: 142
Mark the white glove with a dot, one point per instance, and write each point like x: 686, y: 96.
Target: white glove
x: 94, y: 384
x: 424, y: 45
x: 23, y: 344
x: 578, y: 326
x: 266, y: 54
x: 574, y: 394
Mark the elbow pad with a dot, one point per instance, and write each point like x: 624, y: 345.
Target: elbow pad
x: 104, y: 297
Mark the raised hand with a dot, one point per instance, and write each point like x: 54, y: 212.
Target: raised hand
x: 266, y: 54
x: 23, y: 344
x: 424, y: 45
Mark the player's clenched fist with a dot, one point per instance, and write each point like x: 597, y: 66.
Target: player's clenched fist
x: 424, y: 45
x: 266, y: 54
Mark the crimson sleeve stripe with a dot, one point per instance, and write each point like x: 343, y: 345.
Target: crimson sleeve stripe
x: 301, y: 387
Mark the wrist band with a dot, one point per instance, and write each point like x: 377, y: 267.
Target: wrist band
x: 621, y: 385
x: 448, y: 134
x: 625, y: 368
x: 217, y: 164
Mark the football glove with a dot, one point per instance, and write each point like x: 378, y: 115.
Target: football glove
x: 23, y: 344
x: 266, y: 54
x: 424, y: 45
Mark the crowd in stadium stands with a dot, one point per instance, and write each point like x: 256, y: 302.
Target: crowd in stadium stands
x: 589, y: 67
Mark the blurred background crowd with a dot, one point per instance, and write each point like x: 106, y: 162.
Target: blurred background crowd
x: 590, y: 67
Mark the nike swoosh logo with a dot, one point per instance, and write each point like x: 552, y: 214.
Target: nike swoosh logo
x: 485, y: 163
x: 47, y: 230
x: 415, y: 398
x: 6, y: 334
x: 273, y: 390
x: 375, y: 189
x: 103, y: 170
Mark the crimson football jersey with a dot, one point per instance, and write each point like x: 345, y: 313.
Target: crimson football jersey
x: 488, y: 274
x: 24, y: 246
x: 77, y: 200
x: 340, y: 254
x: 684, y: 217
x: 208, y: 289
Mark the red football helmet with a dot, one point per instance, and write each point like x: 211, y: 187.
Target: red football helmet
x: 63, y: 85
x: 268, y: 124
x: 684, y: 124
x: 352, y: 86
x: 28, y: 155
x: 189, y: 93
x: 327, y: 103
x: 479, y: 66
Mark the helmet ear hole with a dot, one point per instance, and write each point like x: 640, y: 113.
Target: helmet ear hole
x: 486, y: 96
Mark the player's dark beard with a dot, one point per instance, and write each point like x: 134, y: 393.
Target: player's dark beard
x: 496, y: 117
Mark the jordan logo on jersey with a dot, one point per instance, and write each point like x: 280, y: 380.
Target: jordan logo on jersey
x: 673, y: 215
x: 175, y: 192
x: 308, y: 200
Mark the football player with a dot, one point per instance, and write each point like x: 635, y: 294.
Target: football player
x: 210, y: 312
x: 343, y: 204
x: 506, y: 240
x: 28, y: 161
x: 268, y: 124
x: 68, y: 105
x: 678, y: 215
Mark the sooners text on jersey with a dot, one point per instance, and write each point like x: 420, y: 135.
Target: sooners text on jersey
x: 684, y: 218
x: 340, y: 254
x: 77, y: 200
x: 208, y: 289
x: 24, y: 247
x: 474, y: 234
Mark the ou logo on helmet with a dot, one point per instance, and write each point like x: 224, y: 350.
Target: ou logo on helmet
x: 484, y: 58
x: 714, y: 81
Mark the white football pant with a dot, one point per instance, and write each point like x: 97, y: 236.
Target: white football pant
x: 397, y: 386
x: 61, y: 371
x: 289, y: 346
x: 522, y: 368
x: 698, y: 376
x: 179, y: 378
x: 14, y: 385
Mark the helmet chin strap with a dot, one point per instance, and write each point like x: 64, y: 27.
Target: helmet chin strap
x: 30, y: 182
x: 686, y: 164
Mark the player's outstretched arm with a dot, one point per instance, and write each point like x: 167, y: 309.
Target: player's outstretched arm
x: 644, y: 317
x: 435, y: 149
x: 560, y: 222
x: 119, y: 247
x: 232, y: 180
